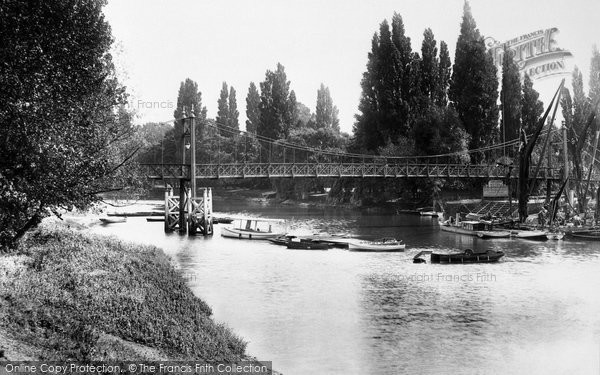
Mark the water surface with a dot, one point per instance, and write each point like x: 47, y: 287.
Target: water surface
x: 339, y: 312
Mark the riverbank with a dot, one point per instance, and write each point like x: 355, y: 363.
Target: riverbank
x: 67, y: 294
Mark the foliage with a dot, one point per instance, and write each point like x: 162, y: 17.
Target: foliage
x: 511, y: 98
x: 275, y: 113
x: 326, y: 112
x: 189, y: 100
x: 594, y: 85
x: 440, y: 132
x: 474, y: 86
x: 384, y: 104
x: 234, y: 114
x: 65, y: 134
x: 252, y: 109
x: 429, y: 66
x: 223, y: 108
x: 444, y: 74
x: 532, y: 107
x: 579, y: 113
x: 77, y: 287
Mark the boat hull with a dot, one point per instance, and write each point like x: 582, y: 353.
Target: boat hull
x: 490, y: 234
x: 534, y: 235
x: 113, y: 220
x: 365, y: 246
x: 590, y: 235
x: 248, y: 235
x: 458, y: 230
x: 461, y: 258
x: 307, y: 245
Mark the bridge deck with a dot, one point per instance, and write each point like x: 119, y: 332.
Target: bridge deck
x: 356, y: 170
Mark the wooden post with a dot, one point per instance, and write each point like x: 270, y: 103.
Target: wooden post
x: 192, y: 120
x: 566, y: 160
x: 191, y: 215
x: 182, y: 208
x: 168, y: 193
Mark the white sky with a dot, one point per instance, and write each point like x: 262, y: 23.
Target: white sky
x: 318, y: 41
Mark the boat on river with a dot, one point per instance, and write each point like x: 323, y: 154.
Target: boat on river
x: 536, y: 235
x: 113, y: 219
x: 591, y: 234
x: 428, y: 211
x: 386, y: 244
x: 468, y: 256
x: 478, y: 228
x: 307, y: 244
x: 253, y: 229
x: 555, y: 235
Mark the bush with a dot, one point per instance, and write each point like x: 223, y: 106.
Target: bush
x: 79, y: 286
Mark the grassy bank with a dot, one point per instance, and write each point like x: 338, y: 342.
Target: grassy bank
x: 66, y: 294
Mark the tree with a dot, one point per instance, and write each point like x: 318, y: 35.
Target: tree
x: 594, y: 75
x: 326, y: 112
x: 252, y: 109
x: 444, y: 74
x: 275, y: 115
x: 367, y: 136
x: 532, y: 108
x: 402, y: 61
x: 223, y: 111
x: 429, y: 66
x: 65, y: 133
x: 474, y: 85
x: 293, y: 109
x: 234, y: 114
x: 511, y: 99
x: 384, y: 105
x: 190, y: 99
x: 439, y: 131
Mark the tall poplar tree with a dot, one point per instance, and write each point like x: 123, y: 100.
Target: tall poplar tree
x: 275, y: 114
x: 326, y: 112
x: 191, y: 99
x: 594, y: 82
x: 223, y: 110
x: 444, y: 74
x: 474, y: 84
x: 402, y: 63
x: 511, y: 99
x: 429, y: 66
x: 532, y: 107
x: 367, y: 136
x: 252, y: 109
x: 234, y: 114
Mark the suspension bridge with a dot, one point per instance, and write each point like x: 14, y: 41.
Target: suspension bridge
x: 250, y: 155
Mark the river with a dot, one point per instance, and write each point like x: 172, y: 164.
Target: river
x: 537, y: 311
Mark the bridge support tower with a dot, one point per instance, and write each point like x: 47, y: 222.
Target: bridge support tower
x: 188, y: 214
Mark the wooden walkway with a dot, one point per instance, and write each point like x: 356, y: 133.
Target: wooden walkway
x: 338, y: 170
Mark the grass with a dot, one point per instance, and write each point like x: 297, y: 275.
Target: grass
x: 77, y: 287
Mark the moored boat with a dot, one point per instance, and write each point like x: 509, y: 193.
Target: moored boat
x: 113, y: 219
x: 493, y: 234
x: 592, y: 234
x: 155, y: 218
x: 479, y: 228
x: 383, y: 244
x: 555, y: 235
x: 468, y: 256
x: 536, y: 235
x: 307, y: 244
x: 252, y: 229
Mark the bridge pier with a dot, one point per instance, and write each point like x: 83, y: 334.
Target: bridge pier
x: 187, y: 214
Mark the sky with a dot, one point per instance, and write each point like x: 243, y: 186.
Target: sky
x: 159, y: 43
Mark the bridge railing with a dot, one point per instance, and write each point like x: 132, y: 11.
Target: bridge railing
x: 392, y: 170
